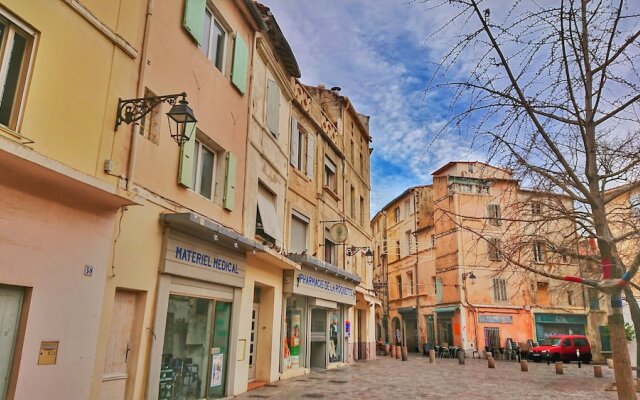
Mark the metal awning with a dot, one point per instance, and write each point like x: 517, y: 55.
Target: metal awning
x: 445, y: 309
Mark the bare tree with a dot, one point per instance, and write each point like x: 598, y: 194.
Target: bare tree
x: 551, y: 90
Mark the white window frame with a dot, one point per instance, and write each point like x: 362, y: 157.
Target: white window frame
x: 216, y: 20
x: 330, y: 175
x: 198, y: 169
x: 13, y: 24
x: 410, y: 278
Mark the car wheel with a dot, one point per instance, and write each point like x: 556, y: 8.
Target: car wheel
x: 556, y: 357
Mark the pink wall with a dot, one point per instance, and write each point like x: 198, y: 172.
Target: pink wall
x: 45, y: 245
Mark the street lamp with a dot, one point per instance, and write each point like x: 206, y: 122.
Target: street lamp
x: 181, y: 118
x: 351, y: 251
x: 469, y: 275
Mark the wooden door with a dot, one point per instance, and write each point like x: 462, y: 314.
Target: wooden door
x: 116, y: 373
x: 10, y: 309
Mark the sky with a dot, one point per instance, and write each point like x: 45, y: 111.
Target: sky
x: 378, y: 53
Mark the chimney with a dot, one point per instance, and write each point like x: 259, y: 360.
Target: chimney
x: 336, y: 90
x: 321, y: 86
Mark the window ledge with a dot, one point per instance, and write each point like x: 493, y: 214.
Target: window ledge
x: 300, y: 173
x: 331, y: 193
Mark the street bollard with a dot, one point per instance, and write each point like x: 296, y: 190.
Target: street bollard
x: 491, y: 362
x: 559, y: 370
x: 597, y: 371
x: 432, y: 356
x: 524, y: 366
x: 460, y: 357
x: 398, y: 352
x: 405, y: 353
x: 489, y: 354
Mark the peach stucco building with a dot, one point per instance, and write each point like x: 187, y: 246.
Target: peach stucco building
x: 443, y: 270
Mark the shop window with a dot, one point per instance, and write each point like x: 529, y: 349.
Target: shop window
x: 499, y: 289
x: 335, y: 335
x: 299, y: 227
x: 330, y: 180
x: 195, y: 351
x: 493, y: 214
x: 214, y: 39
x: 15, y: 56
x: 294, y: 344
x: 492, y: 338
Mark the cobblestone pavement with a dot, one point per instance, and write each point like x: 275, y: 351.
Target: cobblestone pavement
x: 387, y: 378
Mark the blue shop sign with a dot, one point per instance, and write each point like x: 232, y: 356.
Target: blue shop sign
x: 205, y: 260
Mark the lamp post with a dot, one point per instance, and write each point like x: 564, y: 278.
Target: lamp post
x: 472, y: 277
x: 180, y: 116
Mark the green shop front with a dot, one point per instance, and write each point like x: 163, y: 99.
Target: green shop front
x: 559, y: 324
x: 315, y: 327
x: 202, y: 273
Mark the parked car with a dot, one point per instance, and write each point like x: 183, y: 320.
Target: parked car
x: 562, y: 348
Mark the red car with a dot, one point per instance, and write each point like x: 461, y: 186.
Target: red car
x: 563, y: 348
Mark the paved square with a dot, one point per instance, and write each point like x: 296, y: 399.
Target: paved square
x: 387, y: 378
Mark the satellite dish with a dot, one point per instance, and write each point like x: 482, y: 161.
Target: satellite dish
x: 339, y: 232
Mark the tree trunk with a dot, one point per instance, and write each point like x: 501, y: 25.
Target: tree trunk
x: 621, y: 361
x: 635, y: 318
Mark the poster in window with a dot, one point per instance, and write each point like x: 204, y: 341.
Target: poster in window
x: 294, y: 340
x: 217, y: 361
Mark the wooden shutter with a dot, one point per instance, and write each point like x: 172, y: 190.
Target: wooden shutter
x: 240, y: 62
x: 187, y: 161
x: 295, y: 147
x: 194, y: 18
x: 230, y: 182
x: 311, y: 142
x: 273, y: 106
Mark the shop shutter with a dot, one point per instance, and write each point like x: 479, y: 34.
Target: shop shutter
x: 187, y: 161
x: 240, y: 62
x: 295, y: 146
x: 194, y: 18
x: 230, y: 181
x: 310, y: 152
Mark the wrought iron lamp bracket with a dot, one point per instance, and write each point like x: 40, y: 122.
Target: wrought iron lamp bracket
x: 135, y: 109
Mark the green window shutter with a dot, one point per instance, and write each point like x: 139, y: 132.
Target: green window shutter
x: 194, y: 18
x: 230, y: 182
x: 240, y: 62
x: 187, y: 161
x: 295, y: 136
x: 310, y: 152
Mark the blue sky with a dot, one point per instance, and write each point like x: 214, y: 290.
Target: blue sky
x: 378, y: 53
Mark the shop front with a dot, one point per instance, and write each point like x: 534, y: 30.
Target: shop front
x: 559, y: 324
x: 196, y: 323
x: 315, y: 305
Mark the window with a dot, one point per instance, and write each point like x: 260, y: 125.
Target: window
x: 330, y: 180
x: 493, y: 247
x: 536, y: 208
x: 407, y: 208
x: 330, y: 249
x: 538, y: 252
x: 273, y: 107
x: 565, y: 257
x: 362, y: 211
x: 492, y: 338
x: 352, y: 199
x: 410, y: 279
x: 352, y: 152
x: 397, y: 214
x: 408, y: 237
x: 594, y: 299
x: 361, y: 165
x: 150, y: 123
x: 204, y: 174
x: 470, y: 168
x: 398, y: 248
x: 399, y: 284
x: 299, y: 227
x: 543, y: 293
x: 499, y: 289
x: 15, y: 51
x: 267, y: 221
x: 493, y: 214
x: 12, y: 298
x: 302, y: 149
x: 214, y: 39
x: 570, y: 297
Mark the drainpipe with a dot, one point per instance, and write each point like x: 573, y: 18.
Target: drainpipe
x: 463, y: 311
x: 139, y: 93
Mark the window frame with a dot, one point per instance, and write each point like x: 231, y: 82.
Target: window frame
x: 197, y: 173
x: 217, y: 20
x: 539, y: 252
x: 410, y: 278
x: 330, y: 175
x: 399, y: 284
x: 500, y: 290
x: 13, y: 25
